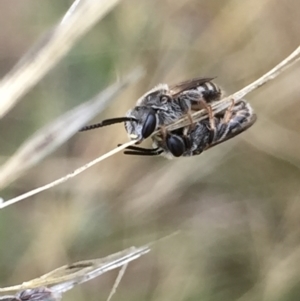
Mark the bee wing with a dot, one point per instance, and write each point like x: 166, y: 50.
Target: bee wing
x: 189, y: 84
x: 236, y: 132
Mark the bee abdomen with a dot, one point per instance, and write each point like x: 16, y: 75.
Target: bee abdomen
x: 210, y: 91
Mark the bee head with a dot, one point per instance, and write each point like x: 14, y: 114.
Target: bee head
x: 144, y: 124
x: 156, y: 96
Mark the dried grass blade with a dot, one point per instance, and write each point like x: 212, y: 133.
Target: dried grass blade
x: 82, y: 15
x: 49, y: 138
x: 66, y: 277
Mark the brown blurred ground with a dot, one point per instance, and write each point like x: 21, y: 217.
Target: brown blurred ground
x: 238, y: 205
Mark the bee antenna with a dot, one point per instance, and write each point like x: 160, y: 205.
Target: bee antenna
x: 136, y: 153
x: 106, y: 122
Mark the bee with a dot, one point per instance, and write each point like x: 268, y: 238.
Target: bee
x: 192, y: 141
x: 164, y: 105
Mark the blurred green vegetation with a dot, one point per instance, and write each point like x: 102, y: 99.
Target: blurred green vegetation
x: 237, y: 205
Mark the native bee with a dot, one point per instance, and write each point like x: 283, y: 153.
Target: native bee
x: 164, y: 105
x: 193, y: 140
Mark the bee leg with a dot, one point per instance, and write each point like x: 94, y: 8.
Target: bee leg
x: 201, y: 104
x: 164, y: 132
x: 212, y: 121
x: 227, y: 123
x: 228, y: 113
x: 191, y: 120
x: 242, y: 105
x: 212, y: 124
x: 242, y: 118
x: 211, y: 118
x: 140, y: 151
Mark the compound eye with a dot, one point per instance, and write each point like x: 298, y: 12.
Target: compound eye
x: 149, y: 125
x: 176, y: 145
x: 165, y: 99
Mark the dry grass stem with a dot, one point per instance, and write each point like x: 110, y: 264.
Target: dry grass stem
x: 80, y: 18
x: 50, y: 137
x: 218, y: 107
x: 117, y: 282
x: 67, y: 277
x: 223, y: 104
x: 67, y: 177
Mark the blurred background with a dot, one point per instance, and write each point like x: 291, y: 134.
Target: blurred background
x: 236, y: 206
